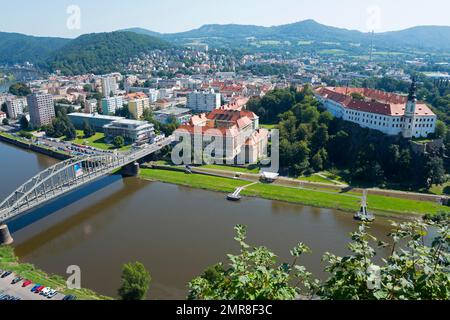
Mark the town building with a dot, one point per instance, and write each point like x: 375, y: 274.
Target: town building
x: 389, y: 113
x: 16, y: 107
x: 238, y: 131
x: 90, y: 106
x: 111, y: 104
x: 42, y: 109
x: 181, y: 115
x: 109, y: 86
x: 132, y: 131
x: 137, y: 107
x: 94, y: 120
x: 203, y: 101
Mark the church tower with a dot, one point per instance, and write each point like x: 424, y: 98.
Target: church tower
x: 410, y: 111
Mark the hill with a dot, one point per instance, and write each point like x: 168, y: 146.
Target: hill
x: 102, y: 52
x: 18, y: 48
x: 297, y: 35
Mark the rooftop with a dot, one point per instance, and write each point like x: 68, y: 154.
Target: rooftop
x: 95, y: 116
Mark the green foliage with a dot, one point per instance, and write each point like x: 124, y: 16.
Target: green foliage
x: 135, y: 282
x: 25, y: 134
x: 24, y: 123
x: 166, y: 128
x: 87, y: 130
x: 5, y: 122
x: 119, y: 142
x: 102, y: 52
x: 253, y: 275
x: 414, y: 270
x: 19, y: 89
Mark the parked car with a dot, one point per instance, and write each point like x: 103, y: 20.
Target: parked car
x: 52, y: 294
x: 26, y: 283
x: 16, y: 280
x: 45, y: 291
x: 39, y: 289
x: 6, y: 274
x: 35, y: 287
x: 70, y: 297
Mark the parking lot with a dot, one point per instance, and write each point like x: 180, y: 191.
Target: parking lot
x: 17, y: 291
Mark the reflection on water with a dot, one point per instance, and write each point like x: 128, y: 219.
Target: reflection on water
x: 175, y: 231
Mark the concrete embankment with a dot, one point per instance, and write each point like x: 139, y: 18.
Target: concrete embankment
x: 35, y: 148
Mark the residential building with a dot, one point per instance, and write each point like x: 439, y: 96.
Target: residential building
x: 42, y: 109
x: 111, y: 104
x: 238, y: 132
x: 389, y: 113
x: 137, y: 107
x: 109, y: 86
x: 16, y: 107
x: 2, y: 116
x: 203, y: 101
x: 96, y: 121
x: 90, y: 106
x: 181, y: 115
x: 133, y: 131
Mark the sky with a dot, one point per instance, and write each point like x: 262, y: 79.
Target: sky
x: 71, y: 18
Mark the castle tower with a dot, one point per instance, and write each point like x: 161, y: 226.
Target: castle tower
x: 410, y: 111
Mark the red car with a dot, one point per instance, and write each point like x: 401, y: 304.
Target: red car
x: 39, y: 289
x: 26, y: 283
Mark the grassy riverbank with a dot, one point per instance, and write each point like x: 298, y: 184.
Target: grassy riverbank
x: 325, y: 199
x: 9, y: 261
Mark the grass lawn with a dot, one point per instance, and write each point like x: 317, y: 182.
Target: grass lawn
x: 441, y: 190
x: 269, y: 126
x: 97, y: 141
x: 254, y: 170
x: 315, y: 198
x: 315, y: 178
x: 8, y: 261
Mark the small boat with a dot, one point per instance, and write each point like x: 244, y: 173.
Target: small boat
x: 233, y: 197
x: 363, y: 214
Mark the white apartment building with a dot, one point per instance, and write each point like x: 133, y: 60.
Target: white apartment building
x: 131, y: 130
x: 137, y: 107
x: 203, y: 101
x: 16, y: 107
x: 111, y: 104
x: 90, y: 106
x: 109, y: 85
x: 42, y: 109
x: 389, y: 113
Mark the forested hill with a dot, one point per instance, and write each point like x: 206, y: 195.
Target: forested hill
x: 101, y: 52
x: 17, y: 48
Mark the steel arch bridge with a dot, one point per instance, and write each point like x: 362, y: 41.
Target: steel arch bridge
x: 67, y: 176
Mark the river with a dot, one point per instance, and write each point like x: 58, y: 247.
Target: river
x: 175, y: 231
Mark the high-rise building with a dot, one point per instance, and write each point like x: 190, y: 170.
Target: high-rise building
x: 109, y: 85
x: 137, y: 107
x: 16, y: 107
x: 111, y: 104
x: 203, y: 101
x: 90, y: 106
x: 42, y: 109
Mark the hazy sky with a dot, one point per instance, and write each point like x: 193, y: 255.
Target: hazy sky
x: 50, y: 17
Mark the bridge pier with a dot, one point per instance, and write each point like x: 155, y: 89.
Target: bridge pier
x: 131, y: 170
x: 5, y: 236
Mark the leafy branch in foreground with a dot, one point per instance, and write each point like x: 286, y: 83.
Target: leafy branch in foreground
x: 415, y: 269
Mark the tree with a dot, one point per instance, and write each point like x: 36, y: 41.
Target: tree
x: 24, y: 124
x: 435, y: 172
x: 5, y: 122
x: 441, y: 129
x: 4, y: 108
x: 70, y: 133
x: 19, y: 89
x: 254, y: 274
x: 87, y: 130
x: 135, y: 282
x: 119, y: 142
x: 414, y: 270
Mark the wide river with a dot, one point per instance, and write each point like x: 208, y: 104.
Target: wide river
x: 176, y: 232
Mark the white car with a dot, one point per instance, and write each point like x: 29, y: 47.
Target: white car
x: 46, y: 291
x: 52, y: 294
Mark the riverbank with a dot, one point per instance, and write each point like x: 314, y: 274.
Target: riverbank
x: 10, y: 262
x: 348, y: 202
x: 22, y: 143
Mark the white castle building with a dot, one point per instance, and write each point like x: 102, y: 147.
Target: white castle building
x: 389, y: 113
